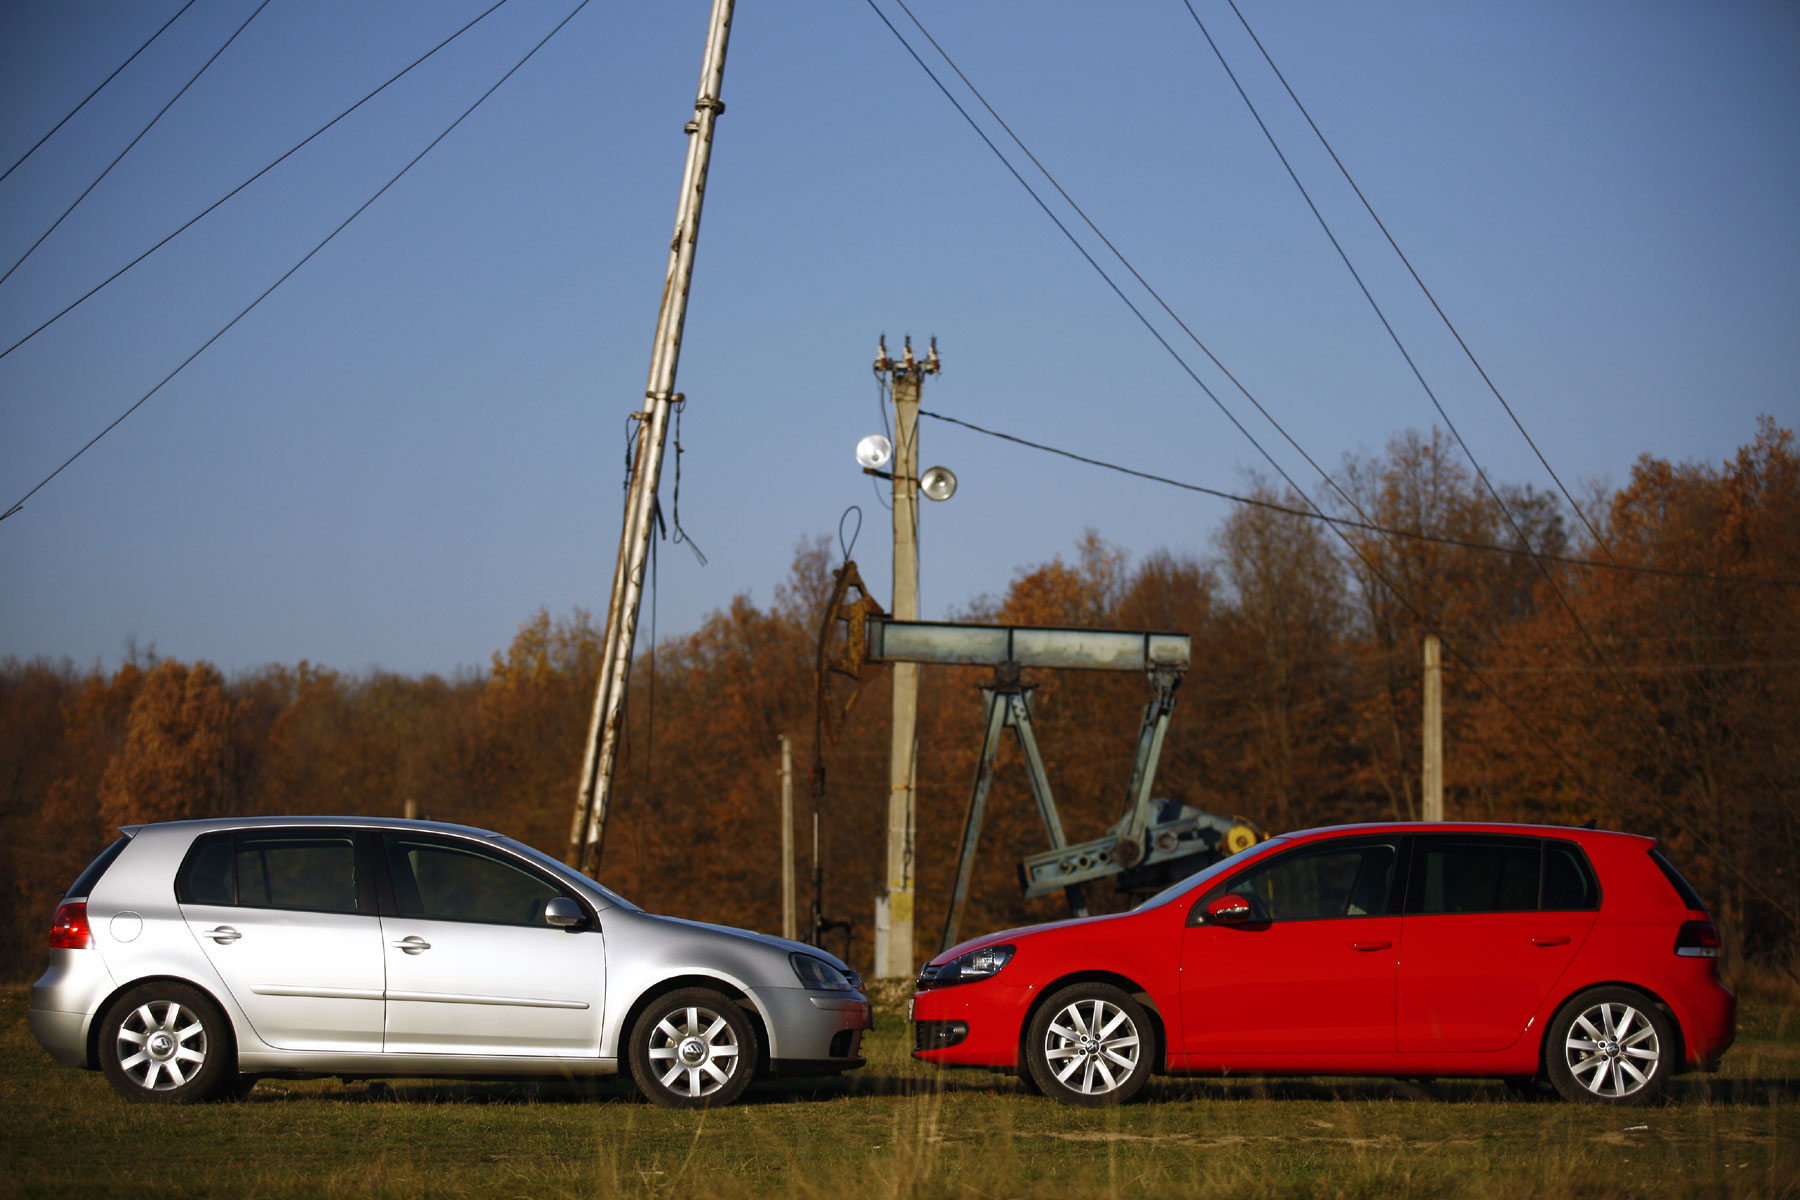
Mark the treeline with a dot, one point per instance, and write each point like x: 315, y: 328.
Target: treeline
x: 1641, y: 671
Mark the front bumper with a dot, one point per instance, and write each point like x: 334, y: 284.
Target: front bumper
x: 815, y: 1033
x: 971, y: 1024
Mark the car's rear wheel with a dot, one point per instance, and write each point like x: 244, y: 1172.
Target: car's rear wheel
x: 694, y: 1048
x: 1091, y: 1044
x: 166, y: 1043
x: 1610, y: 1046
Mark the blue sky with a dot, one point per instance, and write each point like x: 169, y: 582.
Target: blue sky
x: 418, y: 440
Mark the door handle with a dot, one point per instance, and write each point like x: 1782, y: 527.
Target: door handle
x: 1550, y: 941
x: 413, y: 944
x: 1365, y: 947
x: 224, y: 935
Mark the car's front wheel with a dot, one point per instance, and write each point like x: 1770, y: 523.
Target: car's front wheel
x: 1091, y: 1044
x: 694, y: 1048
x: 166, y: 1043
x: 1610, y: 1045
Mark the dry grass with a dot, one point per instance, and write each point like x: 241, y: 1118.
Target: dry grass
x: 898, y: 1130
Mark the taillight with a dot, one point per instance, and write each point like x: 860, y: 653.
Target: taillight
x: 70, y: 929
x: 1697, y: 939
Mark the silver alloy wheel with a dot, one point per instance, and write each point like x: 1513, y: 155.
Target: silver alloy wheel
x: 1612, y: 1050
x: 693, y: 1051
x: 157, y: 1050
x: 1092, y: 1046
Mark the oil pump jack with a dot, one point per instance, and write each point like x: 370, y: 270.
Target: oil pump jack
x: 1155, y: 842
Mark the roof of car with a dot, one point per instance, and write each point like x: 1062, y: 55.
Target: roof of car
x: 1564, y: 831
x: 208, y: 824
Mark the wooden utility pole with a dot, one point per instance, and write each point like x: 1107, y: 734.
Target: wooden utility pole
x: 788, y: 929
x: 1432, y: 781
x: 894, y: 958
x: 588, y: 828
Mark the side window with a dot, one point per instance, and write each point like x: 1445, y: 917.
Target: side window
x: 1495, y: 873
x: 1316, y: 883
x: 445, y: 881
x: 313, y: 871
x: 1569, y: 883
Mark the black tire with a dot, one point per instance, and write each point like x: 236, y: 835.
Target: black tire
x: 167, y: 1043
x: 1090, y: 1044
x: 1610, y: 1045
x: 694, y: 1048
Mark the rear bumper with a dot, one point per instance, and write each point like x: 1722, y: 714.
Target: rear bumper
x: 62, y: 1034
x: 1708, y: 1024
x: 66, y: 997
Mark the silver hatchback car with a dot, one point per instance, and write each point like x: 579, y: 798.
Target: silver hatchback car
x: 192, y: 957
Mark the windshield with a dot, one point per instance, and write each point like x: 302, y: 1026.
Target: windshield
x: 568, y: 872
x: 1230, y: 862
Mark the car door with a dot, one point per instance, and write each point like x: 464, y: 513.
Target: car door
x: 291, y: 928
x: 1491, y: 922
x: 472, y: 965
x: 1311, y: 972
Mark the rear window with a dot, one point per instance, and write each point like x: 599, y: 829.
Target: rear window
x: 84, y: 883
x: 1682, y: 887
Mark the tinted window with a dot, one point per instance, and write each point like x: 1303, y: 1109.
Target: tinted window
x: 1682, y: 887
x: 1474, y: 874
x: 1488, y: 873
x: 445, y: 881
x: 298, y: 869
x: 1569, y: 881
x: 84, y: 883
x: 1319, y: 882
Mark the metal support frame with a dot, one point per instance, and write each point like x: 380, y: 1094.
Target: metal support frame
x: 1007, y: 703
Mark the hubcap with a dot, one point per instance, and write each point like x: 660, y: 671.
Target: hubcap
x: 1092, y: 1047
x: 161, y: 1045
x: 1612, y: 1050
x: 694, y: 1051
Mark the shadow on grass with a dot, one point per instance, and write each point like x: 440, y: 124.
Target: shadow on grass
x: 1692, y: 1089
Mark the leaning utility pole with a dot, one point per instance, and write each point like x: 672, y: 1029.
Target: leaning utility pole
x: 895, y: 956
x: 587, y: 830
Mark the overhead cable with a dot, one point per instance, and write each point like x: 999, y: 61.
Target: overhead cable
x: 97, y: 89
x: 1407, y: 262
x: 134, y: 141
x: 245, y: 311
x: 393, y: 79
x: 1645, y: 710
x: 1364, y: 526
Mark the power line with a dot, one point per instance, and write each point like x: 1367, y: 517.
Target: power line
x: 1373, y: 567
x: 1401, y: 254
x: 134, y: 141
x: 1646, y: 709
x: 245, y: 311
x: 1363, y: 526
x: 97, y: 89
x: 87, y: 295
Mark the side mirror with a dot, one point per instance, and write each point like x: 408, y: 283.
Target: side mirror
x: 564, y: 913
x: 1229, y: 909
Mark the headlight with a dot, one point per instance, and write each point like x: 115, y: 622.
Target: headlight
x: 984, y: 963
x: 819, y: 975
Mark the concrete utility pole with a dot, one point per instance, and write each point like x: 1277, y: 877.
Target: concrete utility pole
x: 788, y: 929
x: 894, y: 910
x: 1432, y: 781
x: 588, y: 828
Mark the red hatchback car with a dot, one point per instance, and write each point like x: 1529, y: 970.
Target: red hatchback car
x: 1516, y: 951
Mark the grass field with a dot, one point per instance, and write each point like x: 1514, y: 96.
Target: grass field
x: 895, y: 1129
